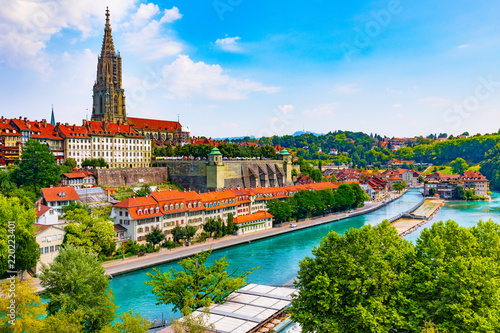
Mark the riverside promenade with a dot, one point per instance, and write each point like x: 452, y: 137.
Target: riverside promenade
x: 118, y: 267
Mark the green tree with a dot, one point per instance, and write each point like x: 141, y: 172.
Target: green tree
x: 459, y: 193
x: 353, y: 282
x: 210, y: 226
x: 231, y: 227
x: 178, y: 233
x: 189, y: 232
x: 65, y: 322
x: 469, y: 194
x: 128, y: 322
x: 196, y: 285
x: 29, y: 308
x: 76, y: 281
x: 453, y: 282
x: 399, y: 186
x: 27, y: 249
x: 155, y: 237
x: 92, y: 233
x: 38, y: 167
x: 459, y: 166
x: 68, y: 165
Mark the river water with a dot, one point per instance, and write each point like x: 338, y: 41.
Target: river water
x: 278, y: 257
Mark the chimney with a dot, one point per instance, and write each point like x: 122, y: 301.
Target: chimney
x: 39, y: 206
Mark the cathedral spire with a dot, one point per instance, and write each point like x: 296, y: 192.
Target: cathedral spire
x: 109, y: 96
x: 52, y: 118
x: 108, y: 49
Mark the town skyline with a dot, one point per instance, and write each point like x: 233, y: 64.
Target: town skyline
x: 350, y: 71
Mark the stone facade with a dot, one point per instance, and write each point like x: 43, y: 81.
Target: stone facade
x: 130, y: 177
x: 204, y: 176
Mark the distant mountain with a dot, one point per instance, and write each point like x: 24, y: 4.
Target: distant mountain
x: 236, y: 137
x: 306, y: 132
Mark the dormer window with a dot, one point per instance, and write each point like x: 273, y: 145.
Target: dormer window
x: 139, y: 212
x: 157, y: 209
x: 171, y: 206
x: 176, y: 206
x: 182, y: 205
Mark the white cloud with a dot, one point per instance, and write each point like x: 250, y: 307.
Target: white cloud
x: 150, y: 43
x: 185, y: 78
x: 346, y: 89
x: 27, y: 26
x: 144, y: 14
x: 229, y: 44
x: 147, y: 36
x: 325, y: 110
x: 397, y: 105
x: 286, y: 109
x: 171, y: 15
x: 463, y: 46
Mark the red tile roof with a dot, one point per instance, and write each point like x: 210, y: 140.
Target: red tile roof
x: 40, y: 210
x: 73, y: 131
x: 473, y: 175
x: 118, y: 228
x: 59, y: 194
x: 154, y: 125
x: 109, y: 129
x: 261, y: 214
x: 41, y: 228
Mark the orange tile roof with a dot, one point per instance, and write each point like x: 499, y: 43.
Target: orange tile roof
x: 107, y: 129
x: 56, y: 194
x: 78, y: 174
x: 72, y: 131
x: 261, y: 214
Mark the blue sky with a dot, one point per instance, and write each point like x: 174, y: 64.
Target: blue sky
x: 240, y: 67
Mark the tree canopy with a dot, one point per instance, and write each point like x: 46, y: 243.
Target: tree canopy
x: 76, y: 281
x: 370, y: 280
x: 197, y: 284
x: 38, y: 167
x: 28, y: 250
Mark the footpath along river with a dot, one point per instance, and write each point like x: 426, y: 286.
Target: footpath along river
x: 278, y: 257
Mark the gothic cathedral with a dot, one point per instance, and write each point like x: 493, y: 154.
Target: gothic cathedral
x: 109, y: 96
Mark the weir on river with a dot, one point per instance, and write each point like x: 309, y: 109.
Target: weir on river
x: 278, y: 257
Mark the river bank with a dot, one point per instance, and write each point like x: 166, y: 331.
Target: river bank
x: 135, y: 263
x: 131, y: 264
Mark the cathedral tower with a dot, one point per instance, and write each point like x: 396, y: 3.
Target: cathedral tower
x: 109, y: 96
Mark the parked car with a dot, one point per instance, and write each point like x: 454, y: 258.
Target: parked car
x: 293, y: 225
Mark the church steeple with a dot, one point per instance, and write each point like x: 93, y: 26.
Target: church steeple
x: 52, y: 118
x: 109, y: 96
x: 108, y: 48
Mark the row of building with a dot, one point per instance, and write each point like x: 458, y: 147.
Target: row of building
x: 445, y: 185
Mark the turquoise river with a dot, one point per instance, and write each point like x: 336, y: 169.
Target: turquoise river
x: 278, y: 257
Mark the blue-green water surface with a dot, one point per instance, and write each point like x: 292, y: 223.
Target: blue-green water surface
x: 278, y: 258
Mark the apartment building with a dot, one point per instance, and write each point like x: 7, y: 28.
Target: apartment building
x: 165, y: 210
x: 476, y: 181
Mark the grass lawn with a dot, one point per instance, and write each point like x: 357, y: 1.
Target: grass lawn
x: 448, y: 170
x: 474, y: 168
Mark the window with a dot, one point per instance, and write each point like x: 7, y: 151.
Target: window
x: 59, y: 236
x: 51, y: 248
x: 182, y: 205
x: 44, y: 239
x: 49, y: 238
x: 157, y: 209
x: 46, y: 249
x: 121, y: 213
x: 41, y: 250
